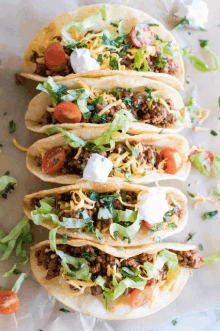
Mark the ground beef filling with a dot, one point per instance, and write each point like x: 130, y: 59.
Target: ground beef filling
x: 76, y: 166
x: 98, y: 262
x: 136, y: 104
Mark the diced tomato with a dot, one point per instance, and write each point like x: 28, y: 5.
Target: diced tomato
x: 146, y: 225
x: 173, y: 160
x: 54, y: 159
x: 139, y: 298
x: 55, y: 57
x: 142, y: 37
x: 9, y: 302
x: 207, y: 155
x: 67, y: 112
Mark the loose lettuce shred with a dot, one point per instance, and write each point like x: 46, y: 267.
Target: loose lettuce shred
x: 7, y: 184
x: 81, y: 270
x: 212, y: 259
x: 165, y: 256
x: 204, y: 165
x: 18, y: 282
x: 19, y: 234
x: 199, y: 64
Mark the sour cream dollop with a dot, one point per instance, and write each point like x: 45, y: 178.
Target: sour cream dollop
x: 196, y: 11
x: 97, y: 169
x: 81, y: 61
x: 153, y: 205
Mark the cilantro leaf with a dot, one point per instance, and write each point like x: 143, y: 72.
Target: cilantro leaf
x: 210, y: 214
x: 190, y: 236
x: 64, y: 310
x: 183, y: 22
x: 214, y: 133
x: 12, y: 126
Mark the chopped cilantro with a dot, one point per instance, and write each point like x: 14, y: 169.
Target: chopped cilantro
x: 143, y: 173
x: 5, y: 113
x: 155, y: 228
x: 97, y: 100
x: 190, y: 236
x: 16, y: 272
x: 100, y: 58
x: 183, y: 22
x: 114, y: 24
x: 157, y: 239
x: 219, y: 101
x: 174, y: 322
x: 149, y: 95
x: 113, y: 63
x: 187, y: 81
x: 64, y: 310
x: 190, y: 194
x: 161, y: 62
x: 12, y: 126
x: 123, y: 195
x: 100, y: 119
x: 65, y: 238
x: 200, y: 247
x: 214, y: 133
x: 88, y: 256
x: 116, y: 168
x: 210, y: 214
x: 203, y: 43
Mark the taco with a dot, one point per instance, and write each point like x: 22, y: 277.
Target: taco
x: 66, y: 158
x: 110, y: 283
x: 117, y: 214
x: 91, y: 103
x: 104, y: 40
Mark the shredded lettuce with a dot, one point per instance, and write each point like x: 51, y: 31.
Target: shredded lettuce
x: 81, y: 96
x: 18, y: 282
x: 166, y: 47
x: 212, y: 259
x: 125, y: 215
x: 122, y: 121
x: 81, y: 270
x: 200, y: 163
x: 216, y: 166
x: 126, y: 232
x: 19, y: 234
x: 46, y: 211
x: 71, y: 138
x: 139, y: 60
x: 199, y: 64
x: 104, y: 213
x: 73, y: 223
x: 216, y: 190
x: 54, y: 90
x: 119, y: 287
x: 162, y: 258
x: 7, y: 184
x: 87, y: 24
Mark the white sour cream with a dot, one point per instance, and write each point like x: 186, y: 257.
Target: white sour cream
x: 153, y: 205
x: 97, y: 169
x: 81, y: 61
x: 196, y: 11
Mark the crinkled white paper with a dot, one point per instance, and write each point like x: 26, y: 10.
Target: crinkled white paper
x: 39, y: 311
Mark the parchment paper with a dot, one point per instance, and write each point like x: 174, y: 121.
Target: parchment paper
x: 20, y: 20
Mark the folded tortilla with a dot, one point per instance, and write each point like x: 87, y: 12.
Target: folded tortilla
x: 118, y: 309
x: 177, y: 142
x: 140, y: 238
x: 38, y: 105
x: 131, y: 17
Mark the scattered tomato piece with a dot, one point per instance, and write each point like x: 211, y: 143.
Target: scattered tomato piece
x: 142, y: 37
x: 139, y: 298
x: 173, y: 160
x: 9, y: 302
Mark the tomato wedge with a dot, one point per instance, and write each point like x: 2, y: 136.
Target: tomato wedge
x: 142, y: 37
x: 54, y: 159
x: 67, y: 112
x: 173, y: 160
x: 55, y: 57
x: 146, y: 225
x: 9, y: 302
x: 139, y: 298
x: 207, y: 155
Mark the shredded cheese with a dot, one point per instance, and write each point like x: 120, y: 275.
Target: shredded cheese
x: 24, y: 149
x: 201, y: 199
x: 200, y: 129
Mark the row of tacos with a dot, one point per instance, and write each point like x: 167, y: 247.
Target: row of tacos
x: 108, y: 75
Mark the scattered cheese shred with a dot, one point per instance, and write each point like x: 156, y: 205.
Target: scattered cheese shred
x: 201, y: 199
x: 200, y: 129
x: 22, y: 148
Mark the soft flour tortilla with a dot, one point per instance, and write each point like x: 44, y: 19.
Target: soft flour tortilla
x: 131, y: 17
x: 118, y: 309
x: 161, y: 141
x: 38, y: 105
x: 140, y: 238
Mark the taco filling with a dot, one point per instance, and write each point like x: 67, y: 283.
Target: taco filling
x: 130, y: 158
x: 140, y: 48
x: 136, y: 280
x: 120, y: 214
x: 100, y: 106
